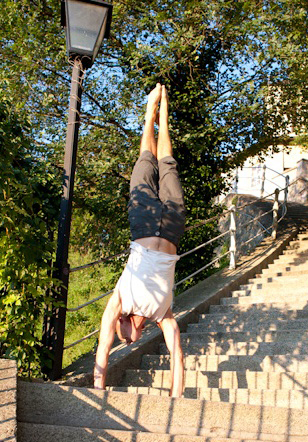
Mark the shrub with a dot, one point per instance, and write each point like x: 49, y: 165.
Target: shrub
x: 28, y: 213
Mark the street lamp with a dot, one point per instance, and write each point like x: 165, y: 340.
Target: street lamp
x: 87, y: 23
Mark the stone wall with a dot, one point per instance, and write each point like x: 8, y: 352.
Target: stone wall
x: 8, y: 391
x: 255, y: 229
x: 298, y: 192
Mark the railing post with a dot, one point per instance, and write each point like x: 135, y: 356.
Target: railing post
x: 275, y: 214
x: 286, y: 190
x: 232, y: 229
x: 263, y: 181
x: 236, y: 182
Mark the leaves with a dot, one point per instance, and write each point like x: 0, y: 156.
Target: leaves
x: 26, y: 246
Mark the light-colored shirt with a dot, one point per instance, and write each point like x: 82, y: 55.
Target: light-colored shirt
x: 145, y: 286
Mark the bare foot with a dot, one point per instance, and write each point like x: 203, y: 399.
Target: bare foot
x: 153, y: 100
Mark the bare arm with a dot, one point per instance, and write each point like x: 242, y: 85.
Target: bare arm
x: 171, y: 332
x: 106, y: 338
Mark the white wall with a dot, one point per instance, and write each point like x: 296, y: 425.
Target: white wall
x: 278, y: 166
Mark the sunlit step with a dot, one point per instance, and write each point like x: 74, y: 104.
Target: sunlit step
x: 242, y: 348
x: 297, y: 399
x: 224, y: 379
x: 275, y: 363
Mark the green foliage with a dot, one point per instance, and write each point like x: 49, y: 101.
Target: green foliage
x: 28, y: 205
x: 234, y: 200
x: 32, y: 54
x: 224, y: 65
x: 224, y: 261
x: 234, y: 70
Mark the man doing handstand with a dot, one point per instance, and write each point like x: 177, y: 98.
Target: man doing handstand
x: 157, y: 217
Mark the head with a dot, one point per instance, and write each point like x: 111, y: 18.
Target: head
x: 129, y: 328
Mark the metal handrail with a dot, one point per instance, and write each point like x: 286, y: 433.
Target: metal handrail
x: 206, y: 221
x: 231, y: 252
x: 254, y: 202
x: 75, y: 309
x: 125, y: 252
x: 285, y: 171
x: 202, y: 268
x: 260, y: 224
x: 273, y: 182
x: 256, y: 218
x: 272, y: 170
x: 99, y: 261
x: 81, y: 339
x: 204, y: 244
x: 251, y: 239
x: 268, y: 168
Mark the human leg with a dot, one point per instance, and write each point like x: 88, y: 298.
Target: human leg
x: 172, y: 197
x: 170, y: 189
x: 144, y: 207
x: 148, y: 141
x: 164, y: 146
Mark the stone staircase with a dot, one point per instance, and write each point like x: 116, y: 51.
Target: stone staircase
x: 246, y: 376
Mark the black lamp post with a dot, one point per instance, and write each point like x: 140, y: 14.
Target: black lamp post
x: 86, y: 23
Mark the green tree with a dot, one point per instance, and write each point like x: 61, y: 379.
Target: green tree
x: 224, y: 64
x: 28, y: 208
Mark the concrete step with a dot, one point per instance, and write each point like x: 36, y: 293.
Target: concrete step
x: 298, y: 252
x: 282, y: 271
x: 224, y: 379
x: 291, y: 301
x: 292, y: 260
x: 275, y: 363
x: 249, y: 323
x: 295, y: 243
x: 275, y: 290
x: 277, y: 275
x: 296, y: 399
x: 278, y: 307
x: 195, y: 334
x: 275, y: 282
x: 301, y: 239
x: 51, y: 433
x: 242, y: 348
x: 199, y: 335
x: 263, y: 315
x: 80, y: 407
x: 286, y: 265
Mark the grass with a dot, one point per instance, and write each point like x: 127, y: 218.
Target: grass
x: 85, y: 285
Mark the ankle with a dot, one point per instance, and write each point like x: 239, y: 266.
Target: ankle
x: 163, y: 114
x: 150, y: 117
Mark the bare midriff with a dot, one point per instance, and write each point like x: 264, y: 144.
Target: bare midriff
x: 157, y: 244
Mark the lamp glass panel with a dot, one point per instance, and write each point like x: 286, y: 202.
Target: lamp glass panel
x: 100, y: 38
x: 85, y: 23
